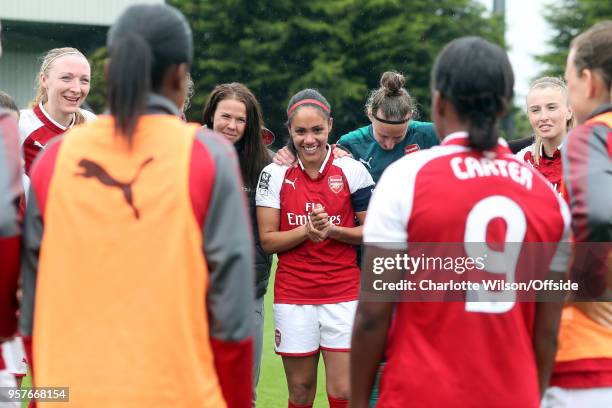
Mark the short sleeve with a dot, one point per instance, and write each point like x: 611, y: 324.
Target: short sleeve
x: 269, y: 186
x: 360, y: 182
x: 387, y: 218
x: 356, y: 174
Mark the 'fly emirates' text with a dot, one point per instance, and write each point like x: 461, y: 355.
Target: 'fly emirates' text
x: 302, y: 219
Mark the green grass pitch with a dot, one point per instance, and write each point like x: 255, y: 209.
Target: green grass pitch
x: 272, y: 387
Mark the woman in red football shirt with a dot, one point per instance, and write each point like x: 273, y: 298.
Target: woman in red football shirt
x: 306, y: 215
x: 63, y: 84
x: 551, y: 118
x: 492, y: 349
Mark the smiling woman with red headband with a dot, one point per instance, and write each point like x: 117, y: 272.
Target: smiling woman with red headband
x: 306, y: 215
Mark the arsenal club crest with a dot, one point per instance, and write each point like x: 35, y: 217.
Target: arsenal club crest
x: 411, y: 148
x: 277, y: 337
x: 336, y: 184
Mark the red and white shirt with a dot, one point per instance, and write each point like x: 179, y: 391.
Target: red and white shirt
x: 549, y: 167
x: 37, y: 128
x: 325, y: 272
x: 464, y: 354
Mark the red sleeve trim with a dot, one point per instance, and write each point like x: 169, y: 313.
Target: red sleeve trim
x: 582, y: 380
x: 9, y: 275
x: 234, y: 365
x: 201, y: 175
x: 583, y: 373
x: 42, y: 172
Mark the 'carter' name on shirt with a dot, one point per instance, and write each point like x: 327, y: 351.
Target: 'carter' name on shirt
x: 302, y: 219
x: 471, y: 167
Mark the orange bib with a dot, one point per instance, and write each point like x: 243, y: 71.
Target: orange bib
x: 120, y: 314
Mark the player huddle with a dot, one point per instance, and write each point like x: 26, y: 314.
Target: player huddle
x: 142, y: 284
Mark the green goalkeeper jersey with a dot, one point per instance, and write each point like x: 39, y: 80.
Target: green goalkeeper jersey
x: 362, y: 145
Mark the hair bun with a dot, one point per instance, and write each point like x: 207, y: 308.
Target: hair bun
x: 393, y: 82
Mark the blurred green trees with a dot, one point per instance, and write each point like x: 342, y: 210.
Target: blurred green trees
x: 568, y: 18
x: 340, y: 47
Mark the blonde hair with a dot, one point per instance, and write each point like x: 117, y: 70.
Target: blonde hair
x: 189, y: 93
x: 47, y: 62
x: 549, y: 82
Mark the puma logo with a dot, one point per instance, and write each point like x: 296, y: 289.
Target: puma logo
x: 92, y: 169
x: 366, y: 163
x: 292, y: 183
x: 38, y: 144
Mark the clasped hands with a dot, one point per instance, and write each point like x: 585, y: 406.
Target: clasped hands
x: 318, y: 227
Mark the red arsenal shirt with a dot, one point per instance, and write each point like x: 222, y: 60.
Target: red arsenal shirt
x: 550, y: 167
x: 37, y: 128
x: 325, y: 272
x: 463, y: 354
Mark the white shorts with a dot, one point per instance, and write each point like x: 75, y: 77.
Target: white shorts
x: 14, y: 357
x: 556, y: 397
x: 303, y: 330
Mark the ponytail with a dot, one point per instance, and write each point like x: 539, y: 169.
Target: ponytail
x: 482, y: 112
x: 79, y: 117
x: 144, y: 43
x: 129, y: 82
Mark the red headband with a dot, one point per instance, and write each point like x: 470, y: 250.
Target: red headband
x: 305, y: 101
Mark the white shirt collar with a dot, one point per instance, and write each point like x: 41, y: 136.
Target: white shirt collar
x: 42, y: 109
x: 328, y: 147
